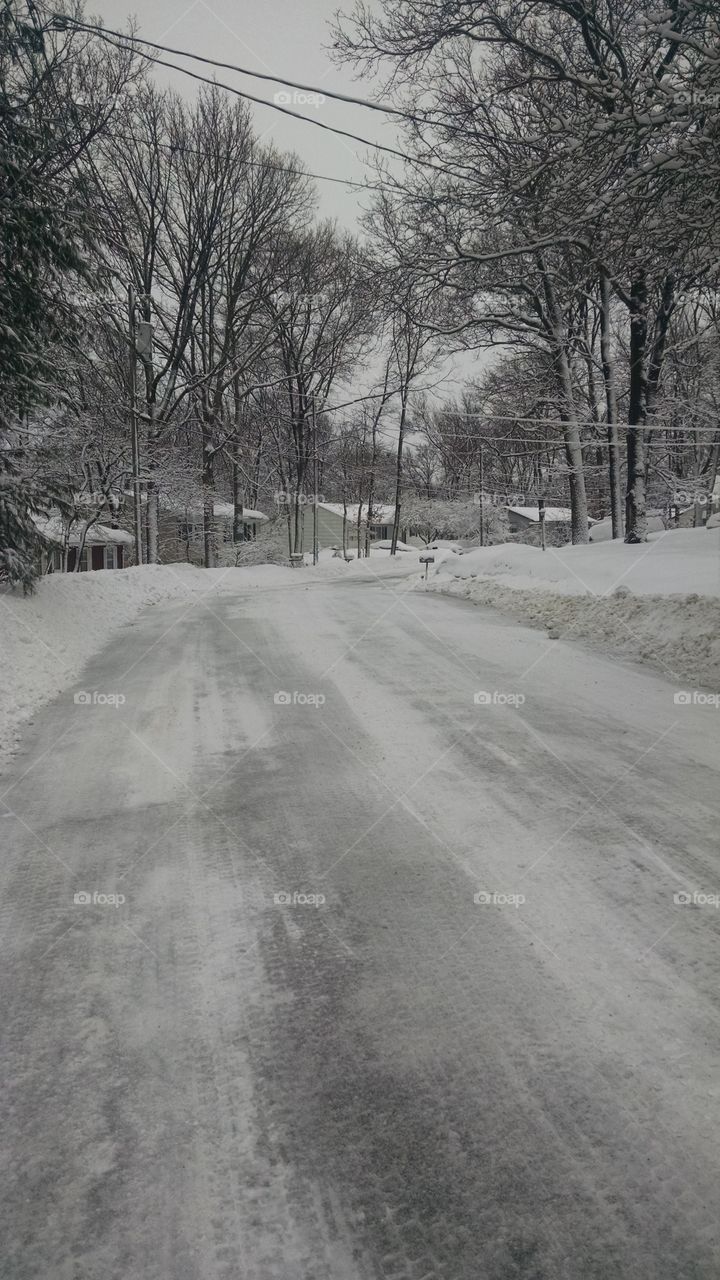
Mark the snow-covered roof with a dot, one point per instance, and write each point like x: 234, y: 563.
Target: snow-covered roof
x: 382, y: 513
x: 559, y: 514
x: 98, y: 535
x: 226, y: 511
x: 221, y: 510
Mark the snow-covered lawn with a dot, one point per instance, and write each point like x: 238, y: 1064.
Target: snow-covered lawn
x: 678, y: 561
x: 658, y: 602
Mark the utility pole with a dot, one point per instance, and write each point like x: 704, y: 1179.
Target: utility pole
x: 134, y: 429
x: 541, y: 517
x: 482, y: 506
x: 315, y: 484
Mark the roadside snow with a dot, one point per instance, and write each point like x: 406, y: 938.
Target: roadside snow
x: 47, y: 638
x: 678, y: 560
x: 658, y: 602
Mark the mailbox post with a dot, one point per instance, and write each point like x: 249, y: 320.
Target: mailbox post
x: 426, y: 560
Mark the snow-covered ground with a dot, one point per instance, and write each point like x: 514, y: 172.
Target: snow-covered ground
x: 489, y: 1051
x: 47, y: 638
x: 658, y: 602
x: 678, y: 561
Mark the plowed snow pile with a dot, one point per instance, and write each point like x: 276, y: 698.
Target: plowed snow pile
x: 46, y: 638
x: 658, y: 602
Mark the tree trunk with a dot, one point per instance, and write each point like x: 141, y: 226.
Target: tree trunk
x: 371, y: 489
x: 344, y: 528
x: 153, y: 496
x: 573, y: 451
x: 613, y: 440
x: 635, y: 506
x: 398, y: 475
x: 208, y: 488
x: 238, y: 504
x: 568, y: 416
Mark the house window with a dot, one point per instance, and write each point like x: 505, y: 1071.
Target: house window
x: 110, y: 558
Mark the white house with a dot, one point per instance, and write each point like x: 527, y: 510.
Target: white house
x: 330, y: 524
x: 520, y: 518
x: 181, y: 528
x: 104, y: 548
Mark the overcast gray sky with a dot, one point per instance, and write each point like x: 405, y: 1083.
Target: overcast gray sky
x: 284, y: 39
x: 288, y: 40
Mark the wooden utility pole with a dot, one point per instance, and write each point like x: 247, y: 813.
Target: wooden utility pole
x: 482, y: 501
x: 134, y: 428
x: 541, y: 517
x: 315, y: 484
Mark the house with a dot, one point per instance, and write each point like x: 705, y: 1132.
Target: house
x: 181, y: 528
x: 330, y: 524
x: 104, y: 547
x: 521, y: 518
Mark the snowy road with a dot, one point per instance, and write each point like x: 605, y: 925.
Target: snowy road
x: 206, y: 1083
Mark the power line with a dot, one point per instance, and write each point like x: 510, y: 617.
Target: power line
x: 253, y: 164
x: 62, y: 23
x: 540, y: 440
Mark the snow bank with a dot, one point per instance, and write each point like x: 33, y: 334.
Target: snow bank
x: 658, y: 602
x: 678, y: 560
x: 47, y: 638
